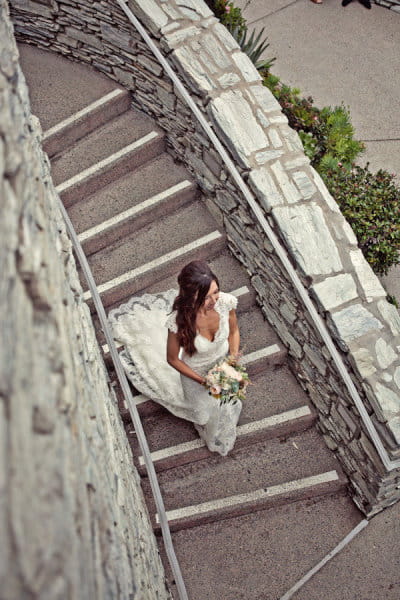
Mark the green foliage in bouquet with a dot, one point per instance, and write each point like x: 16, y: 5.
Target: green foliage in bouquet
x: 371, y: 204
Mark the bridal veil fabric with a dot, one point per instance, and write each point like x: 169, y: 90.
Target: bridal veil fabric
x: 141, y: 325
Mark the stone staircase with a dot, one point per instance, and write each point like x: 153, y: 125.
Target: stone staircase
x: 250, y: 524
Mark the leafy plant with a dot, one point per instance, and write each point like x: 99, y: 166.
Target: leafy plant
x: 253, y: 45
x: 371, y: 204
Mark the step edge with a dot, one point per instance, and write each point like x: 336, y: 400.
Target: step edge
x: 105, y: 226
x: 105, y: 163
x: 207, y: 508
x: 292, y: 415
x: 82, y: 113
x: 155, y: 263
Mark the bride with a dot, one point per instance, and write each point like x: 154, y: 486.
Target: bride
x: 171, y: 341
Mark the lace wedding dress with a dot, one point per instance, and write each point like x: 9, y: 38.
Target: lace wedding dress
x: 141, y: 326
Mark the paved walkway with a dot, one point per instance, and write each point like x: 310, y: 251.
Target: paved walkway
x: 348, y: 55
x: 336, y: 55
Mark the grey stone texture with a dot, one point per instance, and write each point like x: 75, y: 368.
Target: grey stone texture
x: 299, y: 209
x: 73, y: 522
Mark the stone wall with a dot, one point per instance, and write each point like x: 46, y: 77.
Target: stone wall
x: 73, y: 523
x: 319, y: 242
x: 392, y: 4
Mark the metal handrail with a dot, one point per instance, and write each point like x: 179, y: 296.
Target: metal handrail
x: 131, y: 405
x: 280, y: 251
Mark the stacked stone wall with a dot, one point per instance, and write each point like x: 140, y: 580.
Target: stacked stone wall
x: 73, y: 523
x: 270, y: 157
x: 391, y: 4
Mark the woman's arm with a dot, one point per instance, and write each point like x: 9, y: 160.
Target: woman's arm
x: 234, y: 334
x: 178, y: 364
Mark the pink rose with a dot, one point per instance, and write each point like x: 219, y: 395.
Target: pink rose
x: 215, y: 390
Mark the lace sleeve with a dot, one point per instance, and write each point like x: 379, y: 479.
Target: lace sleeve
x: 227, y: 301
x: 170, y: 323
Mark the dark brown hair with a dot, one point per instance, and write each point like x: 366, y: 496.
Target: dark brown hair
x: 194, y: 282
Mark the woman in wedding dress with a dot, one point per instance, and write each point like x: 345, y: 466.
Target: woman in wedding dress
x: 172, y: 340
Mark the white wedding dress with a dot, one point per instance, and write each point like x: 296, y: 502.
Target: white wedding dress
x: 141, y: 326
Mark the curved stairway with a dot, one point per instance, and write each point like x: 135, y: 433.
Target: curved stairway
x: 251, y: 524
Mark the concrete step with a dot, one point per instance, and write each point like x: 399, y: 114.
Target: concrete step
x: 260, y: 555
x: 137, y: 216
x: 274, y: 402
x: 154, y: 251
x: 58, y: 88
x: 194, y: 449
x: 146, y: 181
x: 250, y: 478
x: 68, y: 131
x: 111, y: 168
x: 110, y: 138
x: 272, y: 391
x: 231, y: 277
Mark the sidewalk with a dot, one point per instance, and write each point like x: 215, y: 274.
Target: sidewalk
x: 341, y: 55
x: 348, y: 55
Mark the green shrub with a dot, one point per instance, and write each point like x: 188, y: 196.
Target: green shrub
x: 327, y: 134
x: 228, y: 14
x: 371, y: 204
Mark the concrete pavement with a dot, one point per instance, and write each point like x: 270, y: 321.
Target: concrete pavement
x: 348, y: 55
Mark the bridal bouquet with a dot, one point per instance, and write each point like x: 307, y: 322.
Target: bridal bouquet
x: 227, y: 381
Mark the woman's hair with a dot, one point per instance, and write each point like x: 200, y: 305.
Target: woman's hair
x: 194, y: 282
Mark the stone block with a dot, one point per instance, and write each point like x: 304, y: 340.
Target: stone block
x: 177, y: 37
x: 150, y: 13
x: 118, y: 38
x: 334, y: 291
x: 354, y: 321
x: 237, y: 125
x: 265, y: 98
x: 228, y: 80
x: 384, y: 353
x: 363, y: 362
x: 225, y: 37
x: 289, y: 191
x: 308, y: 238
x: 369, y: 282
x: 194, y: 71
x: 246, y: 67
x: 306, y: 187
x: 199, y: 8
x: 390, y: 315
x: 85, y: 38
x: 265, y: 189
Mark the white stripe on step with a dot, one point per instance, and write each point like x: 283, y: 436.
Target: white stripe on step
x: 106, y: 162
x: 258, y: 354
x: 241, y: 430
x: 157, y: 262
x: 82, y: 113
x: 240, y: 499
x: 133, y: 211
x: 242, y: 291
